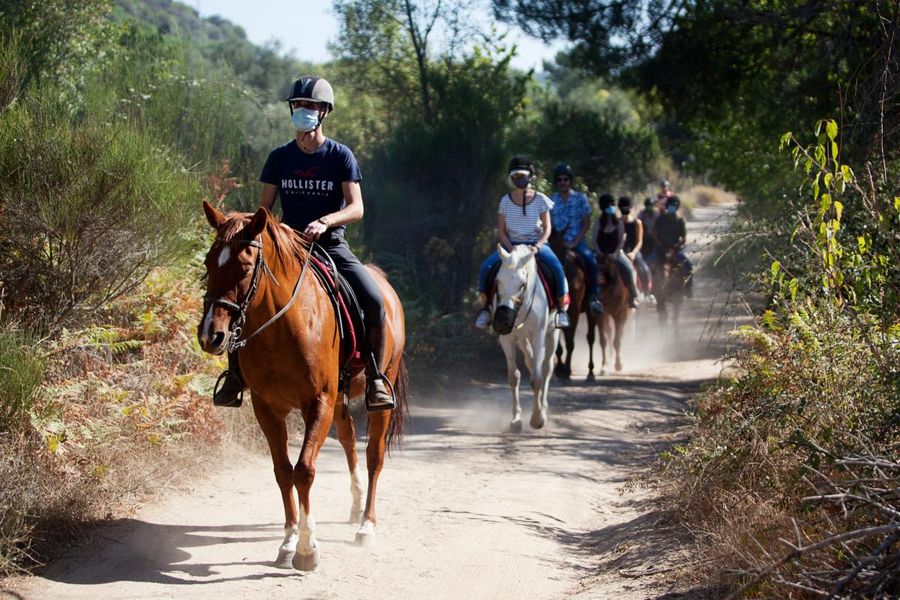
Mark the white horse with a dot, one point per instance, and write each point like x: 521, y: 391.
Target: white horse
x: 523, y: 319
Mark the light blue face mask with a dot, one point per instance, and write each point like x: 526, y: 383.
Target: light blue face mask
x: 671, y: 209
x: 610, y: 210
x: 305, y: 119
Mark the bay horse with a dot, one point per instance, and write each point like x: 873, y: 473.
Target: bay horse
x: 616, y: 309
x: 669, y: 283
x: 523, y: 319
x: 258, y: 268
x: 577, y: 278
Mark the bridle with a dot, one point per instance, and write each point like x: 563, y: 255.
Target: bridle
x: 235, y: 328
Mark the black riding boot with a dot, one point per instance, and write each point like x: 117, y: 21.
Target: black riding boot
x: 232, y: 391
x: 379, y: 394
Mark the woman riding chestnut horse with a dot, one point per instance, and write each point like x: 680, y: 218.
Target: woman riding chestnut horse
x: 261, y: 298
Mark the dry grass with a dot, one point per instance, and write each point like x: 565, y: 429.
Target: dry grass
x: 124, y: 411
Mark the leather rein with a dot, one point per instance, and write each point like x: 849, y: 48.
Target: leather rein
x: 235, y: 328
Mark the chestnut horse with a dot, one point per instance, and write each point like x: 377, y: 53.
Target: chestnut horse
x: 614, y: 297
x: 577, y: 278
x: 258, y: 278
x: 669, y: 283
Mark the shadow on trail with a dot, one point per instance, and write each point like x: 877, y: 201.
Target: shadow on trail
x: 157, y: 553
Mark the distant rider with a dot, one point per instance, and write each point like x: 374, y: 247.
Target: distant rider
x: 611, y: 241
x: 670, y: 234
x: 634, y: 240
x: 523, y: 217
x: 571, y: 216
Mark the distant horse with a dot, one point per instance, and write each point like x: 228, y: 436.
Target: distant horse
x: 577, y: 278
x: 616, y: 309
x: 669, y: 282
x: 523, y: 320
x: 257, y: 268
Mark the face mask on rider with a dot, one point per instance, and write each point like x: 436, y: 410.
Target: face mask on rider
x: 305, y: 119
x: 610, y: 210
x: 521, y: 181
x: 671, y: 209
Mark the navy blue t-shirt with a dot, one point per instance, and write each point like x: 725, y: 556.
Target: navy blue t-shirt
x: 309, y: 185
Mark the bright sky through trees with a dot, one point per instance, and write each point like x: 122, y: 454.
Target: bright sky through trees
x: 304, y: 27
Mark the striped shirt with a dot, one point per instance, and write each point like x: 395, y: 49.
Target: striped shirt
x: 524, y: 228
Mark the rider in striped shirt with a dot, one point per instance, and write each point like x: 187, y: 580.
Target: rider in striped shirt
x: 523, y: 217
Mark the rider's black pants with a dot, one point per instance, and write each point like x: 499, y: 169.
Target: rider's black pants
x: 359, y: 278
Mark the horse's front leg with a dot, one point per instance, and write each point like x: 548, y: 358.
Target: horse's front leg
x: 275, y: 430
x: 603, y: 333
x: 512, y: 376
x: 617, y: 340
x: 317, y: 415
x: 552, y: 337
x: 539, y: 372
x: 592, y: 325
x: 346, y: 432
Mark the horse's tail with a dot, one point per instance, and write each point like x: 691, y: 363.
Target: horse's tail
x: 401, y: 410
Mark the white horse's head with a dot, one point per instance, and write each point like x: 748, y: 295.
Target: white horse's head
x: 517, y: 272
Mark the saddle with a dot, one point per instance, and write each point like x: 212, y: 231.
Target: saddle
x: 347, y: 310
x: 545, y: 274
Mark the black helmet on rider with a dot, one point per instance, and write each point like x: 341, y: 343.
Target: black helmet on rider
x: 606, y: 200
x: 625, y: 203
x: 312, y: 89
x: 562, y: 169
x: 520, y: 164
x: 648, y: 202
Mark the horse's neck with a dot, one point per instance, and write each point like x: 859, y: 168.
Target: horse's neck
x: 277, y: 282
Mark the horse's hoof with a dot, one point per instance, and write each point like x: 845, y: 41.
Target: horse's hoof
x: 537, y: 421
x: 307, y: 562
x: 618, y: 366
x: 515, y: 426
x: 591, y: 377
x: 365, y: 539
x: 285, y: 559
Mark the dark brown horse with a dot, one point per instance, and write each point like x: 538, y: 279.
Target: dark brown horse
x: 616, y: 309
x: 576, y: 275
x: 257, y: 267
x: 668, y: 282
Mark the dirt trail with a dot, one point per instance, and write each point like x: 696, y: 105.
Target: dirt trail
x: 466, y: 510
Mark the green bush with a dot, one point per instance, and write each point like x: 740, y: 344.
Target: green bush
x: 21, y: 375
x: 86, y: 209
x: 792, y: 472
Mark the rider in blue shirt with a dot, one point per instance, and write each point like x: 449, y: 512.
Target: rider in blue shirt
x: 571, y: 216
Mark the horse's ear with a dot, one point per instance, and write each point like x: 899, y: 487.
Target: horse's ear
x: 258, y: 222
x: 502, y: 251
x: 215, y: 216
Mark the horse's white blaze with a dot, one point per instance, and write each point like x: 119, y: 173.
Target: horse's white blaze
x: 307, y: 543
x: 224, y: 256
x: 207, y: 325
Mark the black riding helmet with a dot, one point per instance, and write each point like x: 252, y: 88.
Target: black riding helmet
x: 521, y: 163
x: 648, y: 203
x: 562, y: 169
x: 312, y: 88
x: 625, y: 203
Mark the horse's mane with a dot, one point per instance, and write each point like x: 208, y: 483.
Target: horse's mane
x: 288, y: 244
